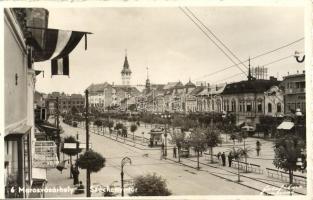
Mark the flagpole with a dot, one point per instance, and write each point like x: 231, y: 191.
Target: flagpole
x: 42, y: 28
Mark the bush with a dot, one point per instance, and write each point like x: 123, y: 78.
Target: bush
x: 150, y: 185
x: 91, y: 160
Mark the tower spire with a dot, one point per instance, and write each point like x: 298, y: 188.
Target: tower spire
x: 249, y: 72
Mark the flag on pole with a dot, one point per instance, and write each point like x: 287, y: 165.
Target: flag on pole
x: 58, y: 44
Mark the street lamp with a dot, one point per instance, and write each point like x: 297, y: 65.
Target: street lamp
x: 167, y: 117
x: 297, y: 56
x: 124, y: 161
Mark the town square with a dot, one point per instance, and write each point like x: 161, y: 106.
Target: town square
x: 154, y: 101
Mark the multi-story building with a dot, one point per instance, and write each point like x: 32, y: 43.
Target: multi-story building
x: 246, y: 99
x: 294, y: 92
x: 66, y: 102
x: 19, y: 90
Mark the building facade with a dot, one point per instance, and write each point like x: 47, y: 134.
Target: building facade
x: 294, y: 93
x: 19, y: 90
x: 246, y: 99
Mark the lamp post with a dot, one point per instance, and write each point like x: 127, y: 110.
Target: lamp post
x: 58, y: 127
x: 87, y: 143
x: 167, y: 117
x: 124, y: 161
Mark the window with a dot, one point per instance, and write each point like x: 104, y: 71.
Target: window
x: 269, y: 107
x: 279, y: 107
x: 241, y: 106
x: 249, y: 107
x: 260, y: 106
x: 233, y: 105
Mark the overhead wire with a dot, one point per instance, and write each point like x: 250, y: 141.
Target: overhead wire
x: 214, y: 35
x: 207, y: 35
x: 269, y: 63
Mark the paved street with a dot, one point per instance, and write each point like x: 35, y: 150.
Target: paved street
x: 182, y: 179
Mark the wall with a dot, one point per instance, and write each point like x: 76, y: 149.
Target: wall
x: 15, y: 62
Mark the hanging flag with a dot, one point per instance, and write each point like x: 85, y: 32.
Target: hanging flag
x: 58, y: 44
x: 60, y: 66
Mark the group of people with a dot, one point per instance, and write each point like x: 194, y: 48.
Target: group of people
x: 231, y: 155
x: 223, y: 158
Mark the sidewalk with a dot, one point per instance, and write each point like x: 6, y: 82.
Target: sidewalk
x: 259, y: 182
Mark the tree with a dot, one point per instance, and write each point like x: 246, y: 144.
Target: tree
x: 198, y: 142
x: 110, y: 125
x: 237, y: 155
x: 98, y: 123
x: 287, y: 151
x: 133, y: 128
x: 213, y: 138
x: 178, y: 137
x: 74, y: 110
x: 71, y: 152
x: 150, y: 185
x: 124, y: 132
x: 118, y: 126
x: 243, y: 136
x: 233, y: 137
x: 91, y: 160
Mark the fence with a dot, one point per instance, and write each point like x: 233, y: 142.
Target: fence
x: 249, y: 167
x: 284, y: 176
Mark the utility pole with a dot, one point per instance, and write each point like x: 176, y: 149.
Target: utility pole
x: 87, y: 143
x: 58, y: 128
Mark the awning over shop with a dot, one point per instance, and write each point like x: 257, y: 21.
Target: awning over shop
x: 286, y: 126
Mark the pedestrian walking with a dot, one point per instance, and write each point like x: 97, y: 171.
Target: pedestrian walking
x: 230, y: 159
x: 223, y: 159
x: 258, y: 147
x: 162, y: 148
x: 174, y: 152
x: 75, y: 176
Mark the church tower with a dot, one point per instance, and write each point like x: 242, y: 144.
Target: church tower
x: 126, y: 72
x: 148, y: 82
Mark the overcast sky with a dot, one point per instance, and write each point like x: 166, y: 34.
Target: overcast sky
x: 173, y: 48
